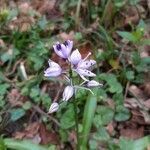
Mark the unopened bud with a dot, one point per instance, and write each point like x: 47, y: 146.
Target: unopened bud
x: 68, y: 93
x: 93, y: 83
x: 53, y: 108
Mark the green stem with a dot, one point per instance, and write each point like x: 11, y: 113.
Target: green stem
x: 75, y: 111
x: 76, y: 122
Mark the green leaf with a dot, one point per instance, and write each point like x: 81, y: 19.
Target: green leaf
x: 102, y: 95
x: 35, y: 91
x: 2, y: 101
x: 42, y: 22
x: 140, y: 144
x: 17, y: 113
x: 5, y: 57
x: 63, y: 134
x: 2, y: 144
x: 93, y: 144
x: 128, y: 36
x: 118, y: 98
x: 122, y: 113
x: 67, y: 118
x: 114, y: 85
x: 78, y: 36
x: 3, y: 88
x: 101, y: 135
x: 145, y: 41
x: 27, y: 105
x: 88, y: 116
x: 104, y: 116
x: 133, y: 2
x: 130, y: 75
x: 46, y: 101
x: 22, y: 145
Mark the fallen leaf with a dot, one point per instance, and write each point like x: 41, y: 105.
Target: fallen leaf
x: 67, y: 36
x: 48, y: 136
x: 15, y: 98
x: 132, y: 133
x: 30, y: 132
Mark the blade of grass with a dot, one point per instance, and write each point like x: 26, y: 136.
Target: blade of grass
x: 89, y: 112
x: 78, y: 13
x: 22, y: 145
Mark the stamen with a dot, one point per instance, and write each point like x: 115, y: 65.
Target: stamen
x: 87, y: 56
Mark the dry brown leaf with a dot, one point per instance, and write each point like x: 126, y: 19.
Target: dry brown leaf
x: 110, y: 128
x: 65, y: 36
x: 15, y: 98
x: 131, y: 15
x: 137, y: 92
x: 30, y: 132
x: 24, y: 8
x: 48, y: 136
x: 132, y: 133
x: 147, y: 103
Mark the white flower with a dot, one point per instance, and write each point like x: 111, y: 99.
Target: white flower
x: 53, y: 108
x: 81, y: 66
x: 68, y: 93
x: 93, y: 83
x: 53, y: 70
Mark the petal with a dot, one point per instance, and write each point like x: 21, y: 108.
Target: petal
x: 85, y: 72
x: 53, y: 64
x: 75, y: 57
x: 54, y: 107
x: 93, y: 83
x: 86, y: 64
x: 52, y: 72
x: 68, y: 93
x: 59, y: 49
x: 65, y: 51
x: 69, y: 45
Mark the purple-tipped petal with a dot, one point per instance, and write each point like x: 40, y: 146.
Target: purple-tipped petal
x: 86, y: 64
x: 65, y: 51
x: 85, y: 72
x: 53, y: 108
x: 69, y: 45
x: 75, y: 57
x: 93, y: 83
x: 68, y: 93
x: 58, y: 50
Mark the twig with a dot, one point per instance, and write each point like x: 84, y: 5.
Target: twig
x: 58, y: 93
x: 45, y: 114
x: 14, y: 67
x: 126, y: 90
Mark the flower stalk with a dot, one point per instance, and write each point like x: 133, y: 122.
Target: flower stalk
x: 75, y: 111
x: 82, y: 67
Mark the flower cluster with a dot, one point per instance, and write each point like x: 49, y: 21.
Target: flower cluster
x: 82, y: 66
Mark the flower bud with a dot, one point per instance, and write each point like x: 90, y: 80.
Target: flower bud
x: 93, y: 83
x: 68, y: 93
x: 53, y: 108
